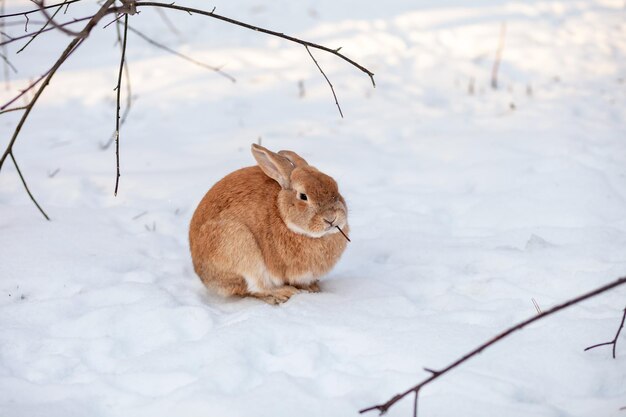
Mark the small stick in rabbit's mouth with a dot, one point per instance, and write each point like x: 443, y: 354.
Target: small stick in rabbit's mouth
x: 344, y: 235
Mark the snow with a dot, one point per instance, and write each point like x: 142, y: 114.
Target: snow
x: 463, y: 208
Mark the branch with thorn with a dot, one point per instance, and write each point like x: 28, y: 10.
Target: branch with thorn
x: 384, y: 407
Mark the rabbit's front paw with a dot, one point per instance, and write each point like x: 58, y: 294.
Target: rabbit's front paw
x: 278, y: 295
x: 313, y: 287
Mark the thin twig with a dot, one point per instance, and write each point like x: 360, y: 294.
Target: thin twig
x: 496, y: 62
x: 327, y: 80
x: 116, y: 20
x: 42, y: 28
x: 117, y: 115
x: 129, y: 93
x: 37, y: 9
x: 24, y: 91
x: 28, y: 35
x: 344, y: 235
x: 178, y: 54
x: 13, y: 109
x: 19, y: 172
x: 384, y: 407
x: 432, y: 371
x: 50, y: 20
x: 614, y: 341
x: 260, y: 29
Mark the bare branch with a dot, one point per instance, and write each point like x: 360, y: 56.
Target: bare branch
x: 327, y: 80
x: 614, y: 341
x: 384, y: 407
x: 117, y: 115
x: 178, y: 54
x: 71, y: 47
x: 19, y: 172
x: 259, y: 29
x: 128, y: 7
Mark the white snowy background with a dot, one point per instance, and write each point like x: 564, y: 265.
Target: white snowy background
x: 463, y: 208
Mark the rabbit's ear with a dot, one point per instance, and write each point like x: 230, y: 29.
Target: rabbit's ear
x: 294, y: 158
x: 274, y: 165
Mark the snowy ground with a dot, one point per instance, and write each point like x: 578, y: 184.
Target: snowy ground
x: 464, y: 207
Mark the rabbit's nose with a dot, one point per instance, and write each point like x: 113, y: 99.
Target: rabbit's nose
x: 331, y: 222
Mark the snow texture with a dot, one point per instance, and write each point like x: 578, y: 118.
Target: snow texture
x: 465, y: 204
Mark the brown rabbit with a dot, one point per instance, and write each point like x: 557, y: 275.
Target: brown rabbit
x: 268, y: 231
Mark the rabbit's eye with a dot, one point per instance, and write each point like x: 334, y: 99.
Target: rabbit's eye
x: 303, y: 197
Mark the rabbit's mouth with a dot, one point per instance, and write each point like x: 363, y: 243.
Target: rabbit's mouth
x: 333, y: 228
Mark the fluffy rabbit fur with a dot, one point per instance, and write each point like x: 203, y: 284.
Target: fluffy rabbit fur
x: 268, y: 231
